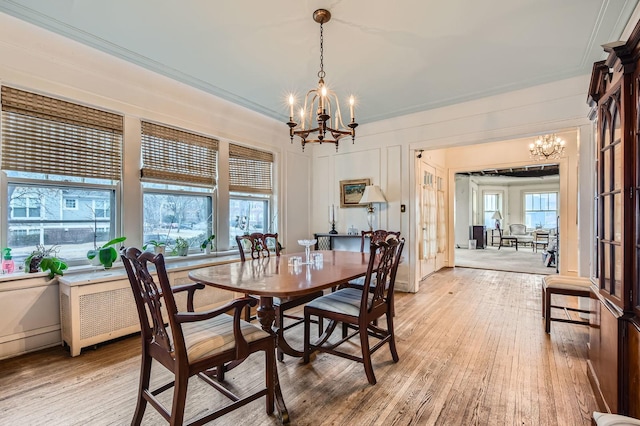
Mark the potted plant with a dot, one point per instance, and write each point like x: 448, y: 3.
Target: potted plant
x: 106, y: 254
x: 158, y: 246
x: 45, y: 259
x: 181, y: 247
x: 207, y: 244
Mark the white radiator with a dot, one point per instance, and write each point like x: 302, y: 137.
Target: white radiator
x: 95, y: 312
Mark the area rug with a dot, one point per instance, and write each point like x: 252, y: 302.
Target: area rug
x: 506, y: 259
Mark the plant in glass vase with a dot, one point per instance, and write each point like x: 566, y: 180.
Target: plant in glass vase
x: 207, y: 244
x: 181, y: 247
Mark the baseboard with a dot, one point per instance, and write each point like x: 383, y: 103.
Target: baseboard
x: 597, y: 392
x: 34, y: 340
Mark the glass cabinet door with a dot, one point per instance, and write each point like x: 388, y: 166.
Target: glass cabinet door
x: 610, y: 201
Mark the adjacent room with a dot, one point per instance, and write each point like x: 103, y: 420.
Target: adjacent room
x: 493, y: 205
x: 306, y: 213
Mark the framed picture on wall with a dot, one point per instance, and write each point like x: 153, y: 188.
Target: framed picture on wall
x: 351, y: 192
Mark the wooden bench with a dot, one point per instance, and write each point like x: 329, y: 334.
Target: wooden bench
x: 568, y: 286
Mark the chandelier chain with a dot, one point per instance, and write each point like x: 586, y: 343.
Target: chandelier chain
x: 321, y: 73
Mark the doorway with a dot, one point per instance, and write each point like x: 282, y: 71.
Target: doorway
x: 486, y: 200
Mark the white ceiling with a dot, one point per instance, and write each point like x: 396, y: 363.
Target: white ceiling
x: 396, y: 57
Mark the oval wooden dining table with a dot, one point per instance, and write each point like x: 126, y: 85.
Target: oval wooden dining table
x: 271, y: 277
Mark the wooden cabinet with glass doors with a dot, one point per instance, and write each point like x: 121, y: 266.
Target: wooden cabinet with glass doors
x: 614, y: 338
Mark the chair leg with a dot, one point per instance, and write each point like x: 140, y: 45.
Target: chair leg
x: 220, y: 373
x: 366, y: 355
x: 307, y: 332
x: 320, y: 326
x: 547, y: 312
x: 345, y: 329
x: 141, y: 405
x: 179, y: 399
x: 392, y: 338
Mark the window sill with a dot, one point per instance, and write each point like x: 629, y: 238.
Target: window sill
x: 87, y: 274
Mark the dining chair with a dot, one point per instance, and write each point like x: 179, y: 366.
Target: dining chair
x: 359, y: 309
x: 257, y: 245
x: 187, y: 343
x: 371, y: 236
x: 540, y: 238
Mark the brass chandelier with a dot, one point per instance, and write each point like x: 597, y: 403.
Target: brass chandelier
x: 319, y: 104
x: 546, y: 147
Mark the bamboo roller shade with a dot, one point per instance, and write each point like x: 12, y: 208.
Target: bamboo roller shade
x: 174, y: 155
x: 46, y: 135
x: 250, y: 170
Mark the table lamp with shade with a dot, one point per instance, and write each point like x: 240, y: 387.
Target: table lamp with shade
x: 497, y: 217
x: 372, y: 194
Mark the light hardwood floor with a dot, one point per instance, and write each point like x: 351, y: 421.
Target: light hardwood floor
x: 472, y: 352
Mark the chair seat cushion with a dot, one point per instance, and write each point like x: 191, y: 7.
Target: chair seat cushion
x: 344, y: 301
x: 215, y: 335
x: 564, y: 282
x: 606, y: 419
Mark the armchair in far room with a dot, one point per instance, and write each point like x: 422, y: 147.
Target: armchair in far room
x: 519, y: 231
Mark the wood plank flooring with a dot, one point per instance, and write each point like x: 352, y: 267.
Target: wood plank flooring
x: 472, y: 352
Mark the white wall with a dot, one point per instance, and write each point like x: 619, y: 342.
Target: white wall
x: 462, y: 210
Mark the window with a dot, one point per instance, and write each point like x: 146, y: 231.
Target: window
x: 58, y: 158
x: 541, y: 210
x: 492, y: 204
x: 22, y: 205
x: 101, y: 208
x: 247, y: 215
x: 44, y: 218
x: 251, y: 183
x: 173, y: 210
x: 70, y: 204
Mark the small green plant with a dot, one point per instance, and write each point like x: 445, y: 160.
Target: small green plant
x: 181, y: 247
x: 154, y: 243
x: 45, y: 259
x: 208, y: 242
x: 106, y: 254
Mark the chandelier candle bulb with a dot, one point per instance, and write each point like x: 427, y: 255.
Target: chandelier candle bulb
x: 291, y: 107
x: 351, y: 102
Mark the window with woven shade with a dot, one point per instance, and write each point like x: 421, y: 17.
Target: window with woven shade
x: 179, y: 171
x: 173, y: 155
x: 250, y: 170
x: 63, y: 162
x: 251, y: 188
